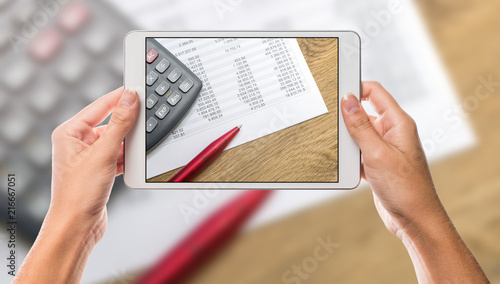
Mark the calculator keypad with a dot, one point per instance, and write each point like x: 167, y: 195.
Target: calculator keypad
x: 151, y: 101
x: 172, y: 89
x: 174, y: 75
x: 151, y: 124
x: 186, y: 85
x: 162, y: 88
x: 174, y: 98
x: 162, y: 111
x: 73, y: 56
x: 151, y: 56
x: 162, y: 66
x: 151, y: 78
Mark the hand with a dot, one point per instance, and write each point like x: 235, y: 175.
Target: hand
x: 394, y: 164
x: 85, y: 161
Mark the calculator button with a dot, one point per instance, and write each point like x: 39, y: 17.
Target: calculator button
x: 39, y: 201
x: 43, y: 100
x: 151, y: 124
x: 15, y: 127
x: 162, y: 88
x: 186, y: 85
x: 73, y: 68
x: 18, y: 76
x: 46, y: 45
x: 151, y: 78
x: 162, y: 111
x: 102, y: 82
x: 69, y: 110
x: 39, y: 148
x: 151, y: 56
x: 151, y: 101
x: 174, y: 98
x: 174, y: 75
x: 162, y: 66
x: 74, y: 16
x: 98, y: 41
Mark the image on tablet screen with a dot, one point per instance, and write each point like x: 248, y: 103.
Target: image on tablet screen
x: 241, y: 110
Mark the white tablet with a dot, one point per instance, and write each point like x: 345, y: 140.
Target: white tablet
x: 282, y: 88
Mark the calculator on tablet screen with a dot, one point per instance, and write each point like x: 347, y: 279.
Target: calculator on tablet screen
x: 171, y: 90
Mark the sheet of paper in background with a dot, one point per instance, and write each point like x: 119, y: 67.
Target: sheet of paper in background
x: 398, y: 53
x: 245, y: 82
x: 396, y: 48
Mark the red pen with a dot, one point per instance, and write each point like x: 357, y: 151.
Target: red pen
x: 205, y: 157
x: 205, y: 241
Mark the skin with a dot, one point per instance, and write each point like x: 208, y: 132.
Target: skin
x: 87, y: 158
x: 395, y: 166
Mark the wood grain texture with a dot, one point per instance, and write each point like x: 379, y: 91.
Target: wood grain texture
x: 302, y: 153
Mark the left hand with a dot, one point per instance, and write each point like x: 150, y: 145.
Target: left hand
x: 86, y: 160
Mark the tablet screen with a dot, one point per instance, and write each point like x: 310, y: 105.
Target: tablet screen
x: 241, y: 110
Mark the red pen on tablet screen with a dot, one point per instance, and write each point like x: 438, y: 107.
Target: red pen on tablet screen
x: 205, y: 157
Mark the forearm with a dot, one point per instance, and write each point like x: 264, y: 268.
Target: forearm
x: 59, y: 253
x: 439, y: 255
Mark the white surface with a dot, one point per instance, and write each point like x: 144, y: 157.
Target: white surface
x: 278, y: 112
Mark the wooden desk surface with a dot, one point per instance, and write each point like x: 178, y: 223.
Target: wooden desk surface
x: 466, y: 35
x: 302, y: 153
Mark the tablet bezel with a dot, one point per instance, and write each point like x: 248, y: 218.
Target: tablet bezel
x: 349, y: 70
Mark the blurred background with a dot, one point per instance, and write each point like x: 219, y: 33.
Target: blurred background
x: 440, y: 59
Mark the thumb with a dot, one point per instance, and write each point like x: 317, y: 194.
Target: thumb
x: 359, y: 125
x: 122, y: 120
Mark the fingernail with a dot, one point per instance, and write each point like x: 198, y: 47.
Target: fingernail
x: 351, y: 103
x: 128, y: 97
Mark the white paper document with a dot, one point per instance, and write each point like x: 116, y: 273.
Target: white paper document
x: 262, y: 84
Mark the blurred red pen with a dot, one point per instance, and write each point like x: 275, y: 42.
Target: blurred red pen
x: 205, y: 241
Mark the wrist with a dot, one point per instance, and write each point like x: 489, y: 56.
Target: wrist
x: 418, y: 211
x: 438, y: 253
x: 73, y: 225
x: 60, y: 251
x: 427, y: 223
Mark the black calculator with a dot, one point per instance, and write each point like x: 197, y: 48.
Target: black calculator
x: 73, y: 55
x: 171, y: 90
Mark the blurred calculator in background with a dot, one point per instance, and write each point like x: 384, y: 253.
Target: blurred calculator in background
x: 56, y: 57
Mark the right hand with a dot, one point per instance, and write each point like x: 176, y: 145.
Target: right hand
x: 393, y: 161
